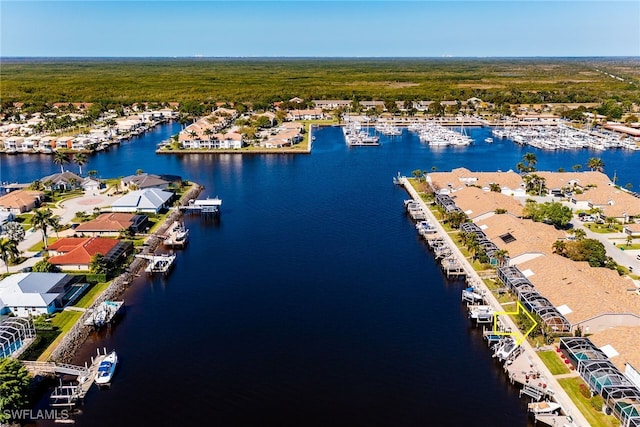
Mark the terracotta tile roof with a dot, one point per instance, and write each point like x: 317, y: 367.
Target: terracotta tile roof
x: 475, y: 202
x: 81, y: 253
x: 624, y: 339
x: 587, y: 291
x: 530, y: 237
x: 113, y: 222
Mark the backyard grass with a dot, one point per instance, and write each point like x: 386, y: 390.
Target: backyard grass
x: 555, y: 364
x: 594, y: 417
x: 89, y: 296
x: 63, y: 321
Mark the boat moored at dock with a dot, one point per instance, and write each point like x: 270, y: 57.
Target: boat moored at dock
x: 104, y: 314
x: 106, y: 369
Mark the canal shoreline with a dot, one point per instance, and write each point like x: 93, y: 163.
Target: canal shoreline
x: 66, y: 350
x: 474, y: 278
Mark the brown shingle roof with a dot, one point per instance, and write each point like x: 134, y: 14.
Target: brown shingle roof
x: 20, y: 198
x: 530, y: 237
x: 461, y: 177
x: 107, y: 222
x: 587, y: 291
x: 475, y: 201
x: 624, y: 339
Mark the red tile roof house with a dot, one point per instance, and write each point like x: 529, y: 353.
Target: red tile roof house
x: 75, y: 253
x: 111, y: 224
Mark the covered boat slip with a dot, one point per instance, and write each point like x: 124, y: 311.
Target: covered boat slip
x: 533, y: 300
x: 621, y: 396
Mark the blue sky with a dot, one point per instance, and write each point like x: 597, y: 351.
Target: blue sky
x: 320, y: 28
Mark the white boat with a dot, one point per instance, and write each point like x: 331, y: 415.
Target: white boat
x: 505, y: 348
x: 481, y: 313
x: 104, y: 313
x: 107, y: 368
x: 488, y: 140
x: 545, y: 407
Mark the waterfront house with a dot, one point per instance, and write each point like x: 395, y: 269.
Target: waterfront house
x: 62, y: 181
x: 64, y: 142
x: 510, y: 183
x: 75, y: 253
x: 145, y: 180
x: 112, y: 224
x: 306, y: 114
x: 91, y: 184
x: 621, y: 346
x: 480, y: 203
x: 594, y: 298
x: 150, y: 200
x: 524, y: 239
x: 33, y: 294
x: 21, y: 201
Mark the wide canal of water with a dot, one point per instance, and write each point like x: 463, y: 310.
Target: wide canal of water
x: 312, y: 302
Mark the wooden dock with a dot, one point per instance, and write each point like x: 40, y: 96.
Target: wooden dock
x: 544, y: 385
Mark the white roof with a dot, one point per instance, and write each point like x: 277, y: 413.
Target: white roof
x: 29, y: 289
x: 149, y: 198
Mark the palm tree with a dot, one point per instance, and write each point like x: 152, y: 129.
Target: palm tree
x: 80, y: 159
x: 559, y: 247
x: 55, y: 224
x: 8, y: 251
x: 629, y: 240
x: 208, y: 132
x: 495, y: 187
x: 530, y: 159
x: 595, y: 164
x: 576, y: 168
x: 41, y: 220
x: 61, y: 159
x: 580, y: 234
x: 501, y: 255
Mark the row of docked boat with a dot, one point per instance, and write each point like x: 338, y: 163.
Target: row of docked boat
x: 562, y: 137
x: 355, y: 135
x: 437, y: 135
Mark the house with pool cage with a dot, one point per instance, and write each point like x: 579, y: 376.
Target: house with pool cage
x: 619, y: 391
x: 16, y: 333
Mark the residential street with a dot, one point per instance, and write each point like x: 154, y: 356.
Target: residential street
x: 67, y: 211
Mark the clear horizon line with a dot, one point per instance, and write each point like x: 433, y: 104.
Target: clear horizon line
x: 307, y: 57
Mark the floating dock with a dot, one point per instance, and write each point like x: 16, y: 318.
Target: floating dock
x: 208, y: 206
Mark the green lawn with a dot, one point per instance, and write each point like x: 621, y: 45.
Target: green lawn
x: 595, y: 418
x: 555, y: 364
x: 89, y: 296
x: 604, y: 228
x: 63, y: 321
x: 40, y: 246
